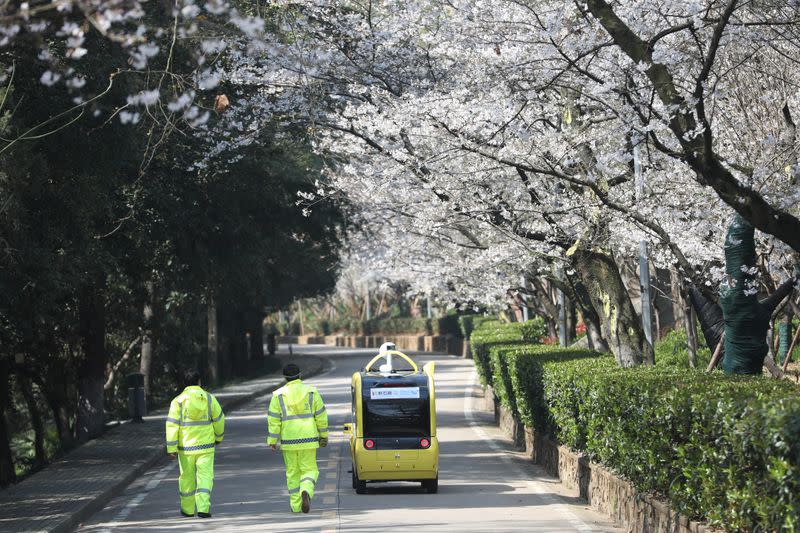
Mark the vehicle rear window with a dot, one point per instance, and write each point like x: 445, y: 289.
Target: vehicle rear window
x: 397, y: 417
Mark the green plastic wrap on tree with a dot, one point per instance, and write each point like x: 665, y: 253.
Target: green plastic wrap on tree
x: 746, y: 319
x: 784, y: 338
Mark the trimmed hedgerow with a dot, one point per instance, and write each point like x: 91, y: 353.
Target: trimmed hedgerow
x: 721, y: 448
x: 494, y: 333
x: 468, y: 323
x: 673, y: 350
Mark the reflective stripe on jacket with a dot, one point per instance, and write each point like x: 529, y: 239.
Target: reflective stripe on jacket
x: 297, y: 417
x: 195, y: 422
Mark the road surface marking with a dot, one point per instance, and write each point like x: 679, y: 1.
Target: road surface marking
x: 540, y: 489
x: 330, y: 487
x: 327, y: 500
x: 329, y: 515
x: 125, y: 512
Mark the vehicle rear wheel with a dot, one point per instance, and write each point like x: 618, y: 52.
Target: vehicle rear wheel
x: 431, y: 486
x: 360, y: 486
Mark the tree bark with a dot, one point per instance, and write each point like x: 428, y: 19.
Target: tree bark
x: 572, y: 321
x: 7, y: 472
x: 146, y: 359
x: 620, y: 324
x: 545, y: 306
x: 54, y: 389
x: 212, y: 360
x: 91, y: 371
x: 26, y: 388
x: 593, y: 324
x: 257, y: 336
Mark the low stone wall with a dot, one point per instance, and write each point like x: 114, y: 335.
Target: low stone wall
x: 422, y: 343
x: 604, y: 491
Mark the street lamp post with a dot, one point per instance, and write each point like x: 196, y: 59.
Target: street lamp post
x: 644, y: 266
x: 524, y: 298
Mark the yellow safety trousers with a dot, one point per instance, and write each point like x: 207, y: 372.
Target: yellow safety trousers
x: 301, y: 475
x: 196, y: 481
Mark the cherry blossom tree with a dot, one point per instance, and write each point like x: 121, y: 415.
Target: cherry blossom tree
x: 504, y: 132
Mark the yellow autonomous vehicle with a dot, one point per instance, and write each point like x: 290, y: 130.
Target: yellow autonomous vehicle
x: 393, y: 429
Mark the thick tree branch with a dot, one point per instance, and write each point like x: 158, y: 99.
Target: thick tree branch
x: 698, y: 146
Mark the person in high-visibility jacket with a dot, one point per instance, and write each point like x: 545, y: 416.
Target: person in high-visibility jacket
x: 195, y: 426
x: 297, y: 419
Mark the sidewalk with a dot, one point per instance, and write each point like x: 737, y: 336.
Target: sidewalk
x: 59, y: 497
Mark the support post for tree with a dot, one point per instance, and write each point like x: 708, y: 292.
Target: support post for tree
x: 428, y: 303
x: 717, y: 354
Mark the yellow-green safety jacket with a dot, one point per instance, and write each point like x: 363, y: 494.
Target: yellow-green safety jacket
x: 297, y: 417
x: 195, y: 423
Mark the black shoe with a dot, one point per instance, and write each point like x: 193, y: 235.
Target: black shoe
x: 306, y: 505
x: 186, y: 514
x: 204, y: 515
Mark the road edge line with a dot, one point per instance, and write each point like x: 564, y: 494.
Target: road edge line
x: 556, y: 499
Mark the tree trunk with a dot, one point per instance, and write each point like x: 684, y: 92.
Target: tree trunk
x: 572, y: 321
x: 7, y: 472
x: 746, y: 319
x: 26, y: 388
x: 590, y: 317
x: 146, y: 360
x: 545, y: 306
x: 302, y: 321
x: 257, y: 337
x: 619, y: 322
x: 91, y: 371
x: 54, y: 389
x: 212, y: 361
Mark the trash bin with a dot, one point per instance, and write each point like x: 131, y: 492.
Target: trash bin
x: 137, y: 407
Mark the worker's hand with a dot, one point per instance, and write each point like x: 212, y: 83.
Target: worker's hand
x: 323, y: 441
x: 274, y: 447
x: 173, y: 456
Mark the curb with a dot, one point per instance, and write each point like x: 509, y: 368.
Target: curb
x: 72, y: 522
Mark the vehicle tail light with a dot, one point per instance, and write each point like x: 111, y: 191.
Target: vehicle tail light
x: 424, y: 443
x: 369, y: 444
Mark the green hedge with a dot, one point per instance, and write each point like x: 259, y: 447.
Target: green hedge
x: 673, y: 350
x: 468, y: 323
x: 398, y: 326
x: 446, y: 325
x: 495, y: 333
x: 721, y: 448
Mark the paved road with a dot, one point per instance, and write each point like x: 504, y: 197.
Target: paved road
x: 483, y: 486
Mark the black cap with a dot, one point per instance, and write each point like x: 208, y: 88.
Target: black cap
x: 291, y: 372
